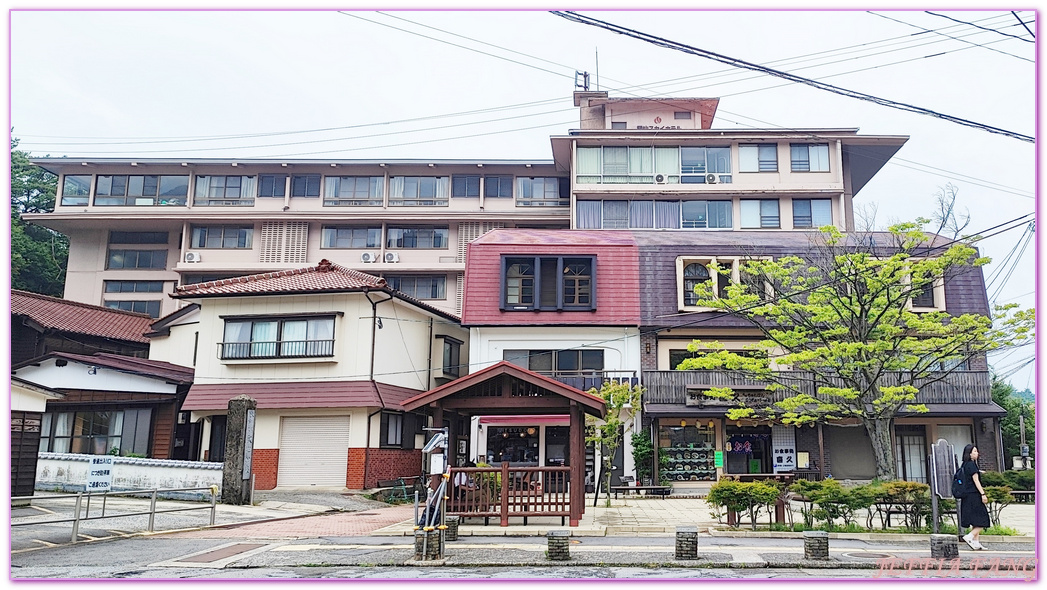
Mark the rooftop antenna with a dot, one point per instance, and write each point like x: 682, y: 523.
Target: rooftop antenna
x: 597, y: 69
x: 584, y: 80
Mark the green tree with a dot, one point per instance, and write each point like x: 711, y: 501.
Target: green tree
x: 619, y: 398
x: 1006, y: 397
x: 840, y: 318
x: 38, y: 255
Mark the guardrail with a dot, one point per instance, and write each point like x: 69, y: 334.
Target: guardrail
x: 77, y: 518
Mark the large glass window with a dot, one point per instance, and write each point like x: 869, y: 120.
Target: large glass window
x: 272, y: 185
x: 761, y: 157
x: 561, y: 283
x: 123, y: 190
x: 498, y: 187
x: 138, y: 237
x: 809, y: 157
x: 353, y: 191
x: 465, y: 185
x: 137, y: 259
x: 420, y: 286
x: 760, y: 213
x: 76, y: 189
x: 557, y: 362
x: 150, y: 308
x: 351, y: 237
x: 305, y: 186
x: 97, y: 432
x: 278, y: 338
x: 426, y: 191
x: 542, y: 192
x: 812, y: 212
x: 421, y: 238
x: 707, y: 214
x: 452, y: 361
x: 222, y: 236
x: 134, y: 286
x: 628, y: 165
x: 702, y: 165
x: 224, y: 191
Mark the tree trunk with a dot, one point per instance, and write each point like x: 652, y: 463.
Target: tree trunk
x: 879, y: 430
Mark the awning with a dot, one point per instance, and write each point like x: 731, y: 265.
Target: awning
x: 530, y: 420
x: 680, y: 410
x: 299, y: 394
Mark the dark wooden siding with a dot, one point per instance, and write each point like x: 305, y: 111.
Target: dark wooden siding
x: 25, y: 443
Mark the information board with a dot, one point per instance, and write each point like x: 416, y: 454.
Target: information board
x: 100, y: 473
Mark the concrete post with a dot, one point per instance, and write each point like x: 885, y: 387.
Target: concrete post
x: 239, y: 446
x: 427, y: 545
x: 452, y: 522
x: 815, y: 545
x: 944, y: 546
x: 558, y: 545
x: 686, y: 542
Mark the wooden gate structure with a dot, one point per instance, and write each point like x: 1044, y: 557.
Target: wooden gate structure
x: 506, y: 389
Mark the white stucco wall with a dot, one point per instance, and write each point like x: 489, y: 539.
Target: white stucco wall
x: 68, y: 472
x: 75, y: 375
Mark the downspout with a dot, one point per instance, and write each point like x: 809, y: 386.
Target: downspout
x: 374, y: 334
x: 429, y: 366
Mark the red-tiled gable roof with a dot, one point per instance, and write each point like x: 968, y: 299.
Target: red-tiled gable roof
x: 127, y: 364
x: 300, y: 394
x: 80, y: 318
x: 324, y: 277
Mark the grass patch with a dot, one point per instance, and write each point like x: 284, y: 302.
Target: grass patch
x: 1004, y: 531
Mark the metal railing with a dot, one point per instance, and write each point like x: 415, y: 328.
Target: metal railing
x: 269, y: 349
x: 80, y: 515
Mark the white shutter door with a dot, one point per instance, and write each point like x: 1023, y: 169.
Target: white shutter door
x: 313, y: 451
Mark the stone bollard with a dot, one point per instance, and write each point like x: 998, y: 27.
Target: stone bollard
x: 686, y: 542
x: 558, y: 545
x: 427, y: 545
x: 452, y: 523
x: 815, y: 545
x: 944, y: 546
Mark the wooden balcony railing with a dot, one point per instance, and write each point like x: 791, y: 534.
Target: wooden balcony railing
x: 670, y: 387
x: 586, y: 380
x: 505, y: 492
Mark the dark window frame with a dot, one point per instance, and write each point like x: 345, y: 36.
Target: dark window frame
x: 539, y: 267
x: 155, y: 254
x: 150, y: 307
x: 305, y: 186
x: 465, y: 186
x: 334, y: 243
x: 277, y: 349
x: 272, y: 186
x: 202, y: 232
x: 439, y: 240
x: 451, y: 364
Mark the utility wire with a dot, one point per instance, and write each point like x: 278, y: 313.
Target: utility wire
x: 950, y: 36
x: 665, y: 43
x: 1031, y: 34
x: 978, y: 27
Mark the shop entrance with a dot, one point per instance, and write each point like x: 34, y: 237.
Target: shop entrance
x: 516, y: 444
x: 749, y: 449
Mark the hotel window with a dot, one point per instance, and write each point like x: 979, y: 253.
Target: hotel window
x: 420, y: 238
x: 224, y: 191
x: 719, y: 272
x: 498, y: 187
x: 627, y: 165
x: 137, y: 259
x: 542, y: 192
x: 758, y: 158
x: 305, y: 186
x: 465, y: 185
x: 134, y: 190
x: 707, y: 214
x: 76, y: 189
x: 222, y: 236
x: 420, y: 286
x: 636, y: 215
x: 150, y: 308
x: 138, y: 237
x: 278, y: 338
x: 699, y: 165
x: 353, y: 191
x: 133, y: 286
x: 548, y: 283
x: 427, y: 191
x: 272, y: 185
x: 809, y: 157
x: 678, y: 115
x: 337, y: 236
x: 812, y: 213
x: 760, y: 213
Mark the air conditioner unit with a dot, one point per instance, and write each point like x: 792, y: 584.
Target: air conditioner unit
x: 369, y: 257
x: 392, y: 257
x: 192, y: 257
x: 660, y: 178
x: 711, y: 178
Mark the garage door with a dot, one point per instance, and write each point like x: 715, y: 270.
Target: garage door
x: 313, y: 451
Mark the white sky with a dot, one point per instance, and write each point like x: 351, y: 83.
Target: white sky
x: 83, y: 81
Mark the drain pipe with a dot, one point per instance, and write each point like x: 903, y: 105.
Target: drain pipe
x: 374, y: 334
x: 429, y: 366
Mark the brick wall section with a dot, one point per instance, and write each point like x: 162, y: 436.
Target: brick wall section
x: 649, y: 361
x: 807, y: 441
x: 264, y: 466
x: 354, y: 473
x: 382, y: 464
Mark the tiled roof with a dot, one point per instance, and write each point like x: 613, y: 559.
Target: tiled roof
x: 300, y: 394
x: 130, y: 364
x: 324, y: 277
x: 80, y: 318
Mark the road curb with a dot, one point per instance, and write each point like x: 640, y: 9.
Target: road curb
x: 887, y: 537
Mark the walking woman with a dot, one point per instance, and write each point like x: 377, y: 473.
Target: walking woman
x: 972, y: 504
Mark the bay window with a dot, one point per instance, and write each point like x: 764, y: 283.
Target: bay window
x: 548, y: 283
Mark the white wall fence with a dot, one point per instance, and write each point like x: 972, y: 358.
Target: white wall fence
x: 67, y: 472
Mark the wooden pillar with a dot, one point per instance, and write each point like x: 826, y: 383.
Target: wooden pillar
x: 821, y: 451
x: 577, y: 436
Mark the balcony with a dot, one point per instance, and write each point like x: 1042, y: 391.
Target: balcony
x: 273, y: 349
x: 586, y: 380
x: 670, y: 387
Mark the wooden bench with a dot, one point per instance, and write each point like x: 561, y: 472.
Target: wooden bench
x: 661, y: 491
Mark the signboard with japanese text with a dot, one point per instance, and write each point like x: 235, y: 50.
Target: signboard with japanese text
x: 100, y: 474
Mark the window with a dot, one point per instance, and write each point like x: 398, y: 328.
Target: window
x: 420, y: 238
x: 498, y: 187
x: 278, y: 338
x: 542, y: 192
x: 96, y: 432
x: 224, y: 191
x: 760, y: 213
x: 123, y: 189
x: 465, y: 185
x: 452, y: 360
x: 550, y: 283
x: 353, y: 191
x: 134, y: 286
x: 719, y: 272
x: 192, y: 279
x: 138, y: 237
x: 697, y: 163
x: 137, y: 259
x: 627, y: 214
x: 271, y: 185
x: 619, y: 125
x: 693, y: 274
x: 707, y: 214
x: 428, y: 191
x: 924, y: 296
x: 558, y: 362
x: 397, y: 430
x: 761, y: 157
x: 809, y: 157
x: 350, y: 237
x: 928, y: 296
x: 150, y: 308
x: 420, y: 286
x: 76, y: 189
x: 305, y: 185
x: 678, y: 115
x: 812, y: 212
x: 222, y: 236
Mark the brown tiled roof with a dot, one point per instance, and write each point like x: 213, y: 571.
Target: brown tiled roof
x: 80, y: 318
x: 300, y: 394
x: 324, y: 277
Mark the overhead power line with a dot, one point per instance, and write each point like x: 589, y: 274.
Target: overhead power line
x: 668, y: 44
x: 956, y: 20
x: 952, y: 37
x: 1031, y: 34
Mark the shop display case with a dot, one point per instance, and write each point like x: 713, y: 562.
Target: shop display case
x: 691, y: 451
